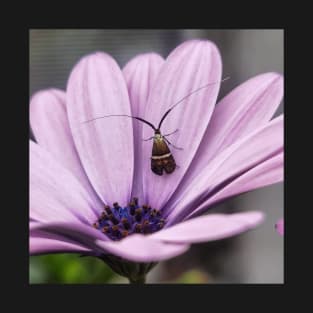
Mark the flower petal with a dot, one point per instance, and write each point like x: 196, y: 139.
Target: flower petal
x: 280, y: 227
x: 140, y: 74
x: 136, y: 247
x: 43, y: 243
x: 75, y: 232
x: 50, y: 126
x: 39, y: 246
x: 190, y: 66
x: 247, y: 107
x: 55, y: 194
x: 210, y: 227
x: 96, y: 87
x: 264, y: 174
x: 247, y: 153
x: 139, y: 248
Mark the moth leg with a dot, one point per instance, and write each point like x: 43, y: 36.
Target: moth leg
x: 148, y: 139
x: 173, y: 145
x: 175, y: 131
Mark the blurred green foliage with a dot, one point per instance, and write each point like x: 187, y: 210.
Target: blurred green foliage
x: 69, y: 269
x: 73, y: 269
x: 194, y: 276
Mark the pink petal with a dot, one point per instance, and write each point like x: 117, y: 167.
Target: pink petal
x: 75, y: 232
x: 247, y: 107
x: 66, y: 233
x: 96, y: 88
x: 242, y: 156
x: 139, y: 248
x: 264, y: 174
x: 44, y: 245
x: 280, y: 226
x: 140, y: 74
x: 190, y: 66
x: 210, y: 227
x: 50, y: 126
x: 136, y: 247
x: 55, y: 194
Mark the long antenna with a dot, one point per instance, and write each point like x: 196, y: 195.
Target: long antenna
x: 135, y: 117
x: 184, y: 98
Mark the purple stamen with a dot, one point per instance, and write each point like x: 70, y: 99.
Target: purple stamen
x: 119, y: 222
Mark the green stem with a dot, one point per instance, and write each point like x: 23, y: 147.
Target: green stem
x: 139, y: 280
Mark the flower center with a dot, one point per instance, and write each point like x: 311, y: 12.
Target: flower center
x: 118, y: 222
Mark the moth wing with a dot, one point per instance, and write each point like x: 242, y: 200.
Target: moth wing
x: 166, y: 163
x: 169, y: 164
x: 160, y: 147
x: 157, y: 167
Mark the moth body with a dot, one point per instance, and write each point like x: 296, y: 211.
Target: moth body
x: 162, y: 158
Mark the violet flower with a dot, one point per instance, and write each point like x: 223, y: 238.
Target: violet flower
x: 91, y: 187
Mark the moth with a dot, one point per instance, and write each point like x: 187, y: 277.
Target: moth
x: 162, y: 159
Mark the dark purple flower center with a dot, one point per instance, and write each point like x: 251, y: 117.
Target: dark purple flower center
x: 118, y: 222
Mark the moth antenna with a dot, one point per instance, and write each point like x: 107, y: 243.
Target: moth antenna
x: 135, y: 117
x: 181, y: 100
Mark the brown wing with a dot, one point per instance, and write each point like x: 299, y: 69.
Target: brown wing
x: 169, y: 164
x: 160, y: 147
x: 157, y: 167
x: 161, y: 160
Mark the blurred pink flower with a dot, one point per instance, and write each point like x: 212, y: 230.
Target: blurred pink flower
x: 76, y: 169
x: 280, y: 226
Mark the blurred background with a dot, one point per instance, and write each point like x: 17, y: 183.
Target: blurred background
x: 253, y: 257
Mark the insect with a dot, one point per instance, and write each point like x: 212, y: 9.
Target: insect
x: 161, y: 158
